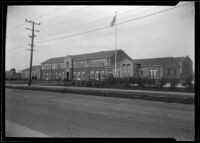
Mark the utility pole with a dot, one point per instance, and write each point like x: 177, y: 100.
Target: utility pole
x: 32, y: 45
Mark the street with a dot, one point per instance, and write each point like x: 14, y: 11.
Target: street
x: 72, y: 115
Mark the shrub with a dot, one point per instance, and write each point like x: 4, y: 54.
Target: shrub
x: 189, y: 83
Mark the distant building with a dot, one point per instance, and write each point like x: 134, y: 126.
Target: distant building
x: 53, y: 68
x: 35, y: 72
x: 157, y: 68
x: 186, y: 67
x: 96, y: 66
x: 100, y: 65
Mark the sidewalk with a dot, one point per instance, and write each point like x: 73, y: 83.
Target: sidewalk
x: 164, y: 93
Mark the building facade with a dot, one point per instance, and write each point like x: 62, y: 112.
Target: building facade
x: 99, y: 65
x: 90, y: 66
x: 186, y: 67
x: 53, y: 69
x: 157, y: 68
x: 36, y: 72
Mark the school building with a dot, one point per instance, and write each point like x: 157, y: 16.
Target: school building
x: 34, y: 74
x: 100, y: 65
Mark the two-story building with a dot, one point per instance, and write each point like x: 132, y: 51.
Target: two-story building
x: 88, y: 66
x: 101, y: 64
x: 93, y: 65
x: 157, y: 68
x: 186, y: 67
x: 53, y: 69
x: 36, y: 72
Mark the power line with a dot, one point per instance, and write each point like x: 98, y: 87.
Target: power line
x: 16, y: 47
x: 104, y: 27
x: 152, y: 14
x: 16, y: 27
x: 91, y: 22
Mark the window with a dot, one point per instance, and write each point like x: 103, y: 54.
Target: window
x: 61, y: 65
x: 43, y: 75
x: 59, y: 75
x: 63, y: 75
x: 79, y: 76
x: 110, y: 74
x: 167, y: 71
x: 56, y: 75
x: 83, y: 75
x: 155, y: 72
x: 141, y: 73
x: 67, y: 65
x: 74, y: 75
x: 97, y: 75
x: 53, y: 66
x: 92, y: 74
x: 102, y: 74
x: 174, y: 71
x: 49, y: 76
x: 129, y: 70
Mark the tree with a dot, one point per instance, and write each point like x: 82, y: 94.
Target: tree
x: 13, y: 71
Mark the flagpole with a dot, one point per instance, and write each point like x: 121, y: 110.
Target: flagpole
x: 115, y: 44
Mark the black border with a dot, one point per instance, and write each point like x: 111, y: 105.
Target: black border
x: 4, y: 5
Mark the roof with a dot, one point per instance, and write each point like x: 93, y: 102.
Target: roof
x: 33, y: 68
x: 156, y: 61
x: 179, y: 59
x: 101, y: 54
x: 54, y: 60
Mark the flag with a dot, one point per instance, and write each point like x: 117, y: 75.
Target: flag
x: 113, y: 21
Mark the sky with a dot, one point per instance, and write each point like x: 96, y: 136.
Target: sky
x: 142, y: 31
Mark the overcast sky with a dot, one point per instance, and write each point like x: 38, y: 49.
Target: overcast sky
x: 165, y: 34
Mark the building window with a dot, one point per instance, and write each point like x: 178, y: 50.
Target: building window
x: 174, y: 71
x: 83, y: 75
x: 97, y: 75
x: 67, y: 65
x: 59, y: 75
x: 56, y: 75
x: 167, y: 71
x: 102, y: 74
x: 47, y: 77
x: 141, y: 73
x: 110, y: 74
x: 155, y: 73
x: 74, y: 75
x: 63, y: 75
x: 79, y: 76
x: 92, y: 74
x: 129, y: 70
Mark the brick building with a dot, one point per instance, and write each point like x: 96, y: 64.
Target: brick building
x: 93, y: 65
x: 53, y: 69
x: 157, y: 68
x: 96, y: 65
x: 99, y: 65
x: 36, y: 72
x: 186, y: 67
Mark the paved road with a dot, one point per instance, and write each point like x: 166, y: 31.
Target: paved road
x: 70, y: 115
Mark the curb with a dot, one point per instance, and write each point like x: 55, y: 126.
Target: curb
x: 112, y: 93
